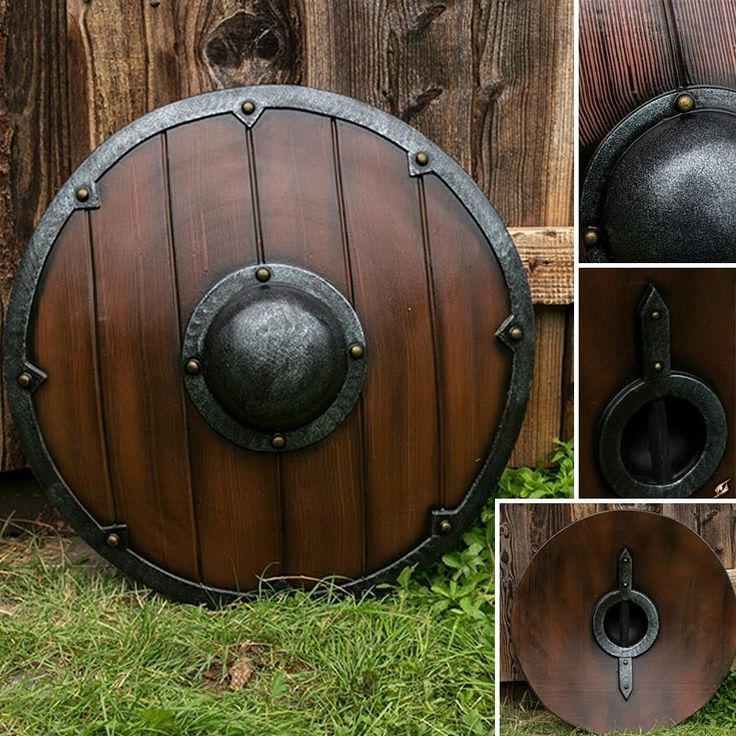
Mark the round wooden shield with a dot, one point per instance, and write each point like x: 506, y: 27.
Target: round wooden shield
x: 269, y: 332
x: 625, y: 621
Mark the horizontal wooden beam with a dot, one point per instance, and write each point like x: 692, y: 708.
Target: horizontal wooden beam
x: 548, y: 257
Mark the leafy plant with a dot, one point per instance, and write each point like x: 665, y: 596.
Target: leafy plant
x: 556, y: 481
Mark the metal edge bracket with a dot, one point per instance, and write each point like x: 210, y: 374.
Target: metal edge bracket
x: 511, y: 332
x: 32, y: 373
x: 92, y: 199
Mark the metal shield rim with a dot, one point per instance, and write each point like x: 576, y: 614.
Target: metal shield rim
x: 16, y: 337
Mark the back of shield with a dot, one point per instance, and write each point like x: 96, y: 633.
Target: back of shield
x: 657, y: 391
x: 269, y: 333
x: 625, y: 621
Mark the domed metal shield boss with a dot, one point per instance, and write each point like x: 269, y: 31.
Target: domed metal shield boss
x: 660, y: 187
x: 273, y: 345
x: 643, y: 642
x: 269, y: 336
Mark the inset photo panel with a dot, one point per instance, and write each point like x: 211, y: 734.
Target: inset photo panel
x: 657, y: 383
x: 615, y: 618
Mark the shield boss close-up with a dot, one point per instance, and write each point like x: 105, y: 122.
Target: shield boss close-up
x: 269, y: 332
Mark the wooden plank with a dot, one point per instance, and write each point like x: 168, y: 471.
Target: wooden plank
x: 401, y: 435
x: 549, y: 262
x: 628, y: 54
x: 228, y: 43
x: 70, y: 397
x: 33, y: 145
x: 706, y: 30
x: 542, y: 423
x: 141, y: 384
x: 236, y: 491
x: 295, y: 160
x: 469, y: 293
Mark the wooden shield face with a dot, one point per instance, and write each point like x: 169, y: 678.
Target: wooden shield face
x: 625, y: 621
x: 269, y: 332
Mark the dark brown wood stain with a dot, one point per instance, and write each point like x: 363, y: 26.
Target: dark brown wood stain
x: 551, y: 622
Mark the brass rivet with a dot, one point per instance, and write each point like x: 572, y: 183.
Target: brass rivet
x: 685, y: 103
x: 516, y: 333
x: 422, y: 158
x: 445, y: 527
x: 591, y: 237
x: 193, y: 366
x: 655, y: 314
x: 25, y: 379
x: 278, y: 441
x: 263, y: 274
x: 82, y: 194
x: 657, y: 367
x: 249, y: 107
x: 356, y: 350
x: 113, y: 540
x: 626, y: 661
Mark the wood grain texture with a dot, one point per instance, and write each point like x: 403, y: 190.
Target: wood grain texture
x: 633, y: 50
x: 695, y: 643
x: 34, y: 133
x: 701, y: 342
x: 139, y: 348
x: 296, y: 162
x: 524, y: 528
x: 70, y: 397
x: 547, y: 255
x: 467, y: 352
x: 236, y: 493
x: 539, y: 431
x: 401, y: 438
x: 628, y: 54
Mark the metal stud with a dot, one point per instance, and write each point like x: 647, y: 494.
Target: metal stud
x: 357, y: 351
x: 278, y: 441
x: 655, y: 315
x: 685, y: 103
x: 82, y: 194
x: 445, y: 527
x: 422, y: 158
x: 193, y: 366
x: 25, y: 379
x: 657, y: 367
x: 591, y: 237
x: 113, y: 540
x: 248, y: 107
x: 516, y: 333
x: 263, y: 274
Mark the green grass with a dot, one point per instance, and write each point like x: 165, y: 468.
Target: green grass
x: 85, y: 651
x: 718, y: 718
